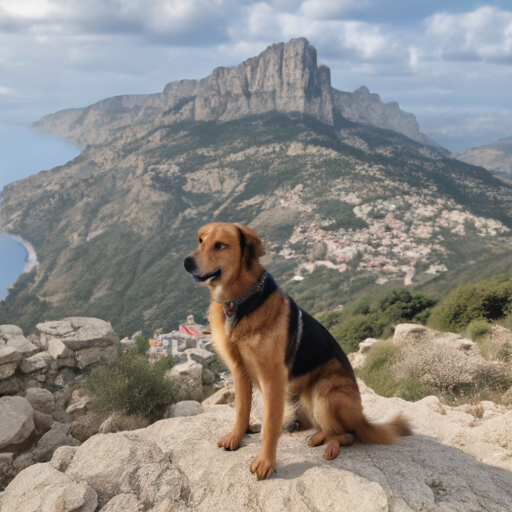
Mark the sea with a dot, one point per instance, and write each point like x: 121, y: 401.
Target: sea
x: 24, y: 151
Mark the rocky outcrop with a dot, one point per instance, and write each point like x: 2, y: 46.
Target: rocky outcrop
x: 361, y: 106
x: 286, y: 77
x: 175, y: 464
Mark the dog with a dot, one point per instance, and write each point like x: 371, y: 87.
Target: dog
x: 267, y: 340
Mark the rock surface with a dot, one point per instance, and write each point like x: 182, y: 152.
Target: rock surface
x: 41, y: 488
x: 185, y: 408
x: 127, y: 463
x: 41, y: 400
x: 17, y: 420
x: 190, y: 375
x: 78, y: 333
x: 176, y: 463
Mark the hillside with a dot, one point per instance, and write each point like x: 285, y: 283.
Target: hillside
x: 495, y: 157
x: 347, y: 206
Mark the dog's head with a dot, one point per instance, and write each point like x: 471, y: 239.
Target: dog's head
x: 223, y: 253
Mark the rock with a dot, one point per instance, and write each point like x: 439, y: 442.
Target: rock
x: 62, y: 457
x: 85, y: 426
x: 65, y: 377
x: 58, y: 350
x: 184, y: 408
x: 117, y: 422
x: 367, y: 344
x: 79, y: 333
x: 125, y: 463
x: 78, y: 408
x: 189, y: 374
x: 41, y: 400
x: 8, y: 331
x: 198, y: 355
x: 9, y: 355
x: 9, y: 386
x: 417, y: 473
x: 39, y: 361
x: 43, y: 422
x: 407, y: 332
x: 123, y: 503
x: 41, y: 488
x: 208, y: 377
x: 13, y: 338
x: 6, y: 460
x: 57, y: 436
x: 222, y: 396
x: 7, y: 370
x: 94, y: 355
x: 17, y: 420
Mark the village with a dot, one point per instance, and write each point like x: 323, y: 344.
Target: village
x: 404, y: 237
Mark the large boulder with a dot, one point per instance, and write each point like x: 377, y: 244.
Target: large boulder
x: 190, y: 375
x: 78, y: 333
x: 41, y: 488
x: 12, y: 336
x: 7, y: 370
x: 184, y: 408
x: 125, y: 463
x: 17, y: 420
x: 41, y: 400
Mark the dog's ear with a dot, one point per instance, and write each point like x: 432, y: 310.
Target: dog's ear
x: 251, y: 243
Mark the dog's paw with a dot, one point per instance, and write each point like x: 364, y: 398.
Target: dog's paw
x: 263, y: 467
x: 230, y: 442
x: 332, y: 449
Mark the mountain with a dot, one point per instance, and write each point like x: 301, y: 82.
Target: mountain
x: 495, y: 157
x: 343, y: 206
x: 284, y: 78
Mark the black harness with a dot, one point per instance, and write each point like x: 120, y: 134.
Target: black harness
x: 310, y: 344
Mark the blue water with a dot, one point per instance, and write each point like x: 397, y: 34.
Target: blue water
x: 23, y: 152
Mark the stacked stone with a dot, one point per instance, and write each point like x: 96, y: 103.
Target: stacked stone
x: 64, y: 344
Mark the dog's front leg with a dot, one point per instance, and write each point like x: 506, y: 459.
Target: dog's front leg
x: 273, y: 390
x: 243, y: 400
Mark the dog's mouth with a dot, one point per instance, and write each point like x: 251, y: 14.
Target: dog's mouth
x: 208, y: 278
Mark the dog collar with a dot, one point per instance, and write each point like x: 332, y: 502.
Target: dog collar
x: 250, y: 300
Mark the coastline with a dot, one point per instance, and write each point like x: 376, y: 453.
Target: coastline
x: 31, y: 257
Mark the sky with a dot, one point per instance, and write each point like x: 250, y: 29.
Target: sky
x: 448, y: 62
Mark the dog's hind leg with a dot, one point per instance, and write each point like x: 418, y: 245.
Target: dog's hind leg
x: 336, y: 402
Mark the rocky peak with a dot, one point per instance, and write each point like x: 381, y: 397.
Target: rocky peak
x: 286, y: 77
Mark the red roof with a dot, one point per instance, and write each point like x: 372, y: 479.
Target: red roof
x: 190, y: 330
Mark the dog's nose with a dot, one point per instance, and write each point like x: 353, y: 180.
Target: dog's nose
x: 190, y: 264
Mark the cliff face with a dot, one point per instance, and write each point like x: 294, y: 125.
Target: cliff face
x: 364, y: 107
x: 495, y: 157
x: 284, y: 78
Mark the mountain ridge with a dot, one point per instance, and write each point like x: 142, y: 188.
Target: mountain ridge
x: 286, y: 77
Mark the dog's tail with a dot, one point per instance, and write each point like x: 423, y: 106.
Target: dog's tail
x: 382, y: 433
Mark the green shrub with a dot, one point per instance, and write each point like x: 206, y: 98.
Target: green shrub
x: 352, y: 331
x: 478, y: 329
x: 488, y: 300
x: 141, y: 344
x: 377, y: 316
x: 377, y: 373
x: 132, y: 386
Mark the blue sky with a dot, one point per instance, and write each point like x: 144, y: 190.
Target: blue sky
x: 448, y: 62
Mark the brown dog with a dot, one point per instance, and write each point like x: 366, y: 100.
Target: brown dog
x: 265, y: 339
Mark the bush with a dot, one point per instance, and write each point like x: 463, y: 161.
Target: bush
x: 478, y: 329
x: 377, y: 373
x: 132, y: 386
x: 352, y: 331
x: 377, y: 316
x: 141, y: 344
x: 488, y: 300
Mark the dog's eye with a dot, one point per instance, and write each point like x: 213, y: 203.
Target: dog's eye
x: 200, y: 240
x: 218, y: 246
